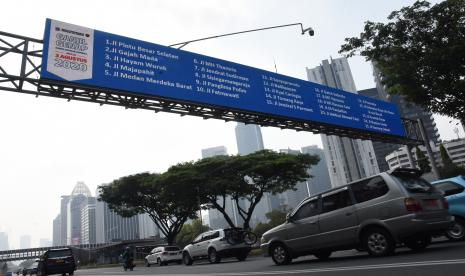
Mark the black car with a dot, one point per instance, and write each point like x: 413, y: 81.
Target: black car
x: 57, y: 261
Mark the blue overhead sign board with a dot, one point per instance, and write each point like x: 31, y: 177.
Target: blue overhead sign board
x: 94, y: 58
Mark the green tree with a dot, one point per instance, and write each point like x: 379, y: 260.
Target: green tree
x: 446, y: 161
x: 245, y: 179
x: 190, y: 231
x: 422, y: 161
x: 421, y: 54
x: 152, y: 194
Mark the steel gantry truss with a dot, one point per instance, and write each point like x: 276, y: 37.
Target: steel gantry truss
x: 23, y: 56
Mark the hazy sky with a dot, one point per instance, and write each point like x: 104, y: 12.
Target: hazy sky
x: 47, y: 145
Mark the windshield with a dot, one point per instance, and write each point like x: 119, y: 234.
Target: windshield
x: 415, y: 185
x: 172, y: 248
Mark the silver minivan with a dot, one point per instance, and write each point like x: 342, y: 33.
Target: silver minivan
x: 374, y: 214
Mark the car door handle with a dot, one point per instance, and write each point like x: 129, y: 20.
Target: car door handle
x: 349, y: 214
x: 312, y: 222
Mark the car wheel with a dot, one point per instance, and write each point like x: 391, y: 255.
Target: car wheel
x: 280, y: 254
x: 323, y: 255
x: 63, y: 274
x: 213, y: 256
x: 160, y: 263
x: 186, y: 258
x: 378, y: 242
x: 71, y: 273
x: 418, y: 243
x: 457, y: 232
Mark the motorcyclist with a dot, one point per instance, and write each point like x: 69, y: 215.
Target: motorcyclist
x: 128, y: 259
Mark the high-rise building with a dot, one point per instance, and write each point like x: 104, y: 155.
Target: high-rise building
x: 78, y: 199
x: 347, y: 159
x: 57, y: 231
x: 4, y: 245
x: 88, y: 221
x: 406, y: 109
x: 320, y: 181
x: 24, y: 241
x: 113, y: 227
x: 249, y: 138
x: 64, y: 220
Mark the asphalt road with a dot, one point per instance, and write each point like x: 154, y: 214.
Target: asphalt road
x: 444, y: 258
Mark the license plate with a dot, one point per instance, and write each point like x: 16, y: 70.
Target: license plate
x: 173, y: 253
x: 60, y: 261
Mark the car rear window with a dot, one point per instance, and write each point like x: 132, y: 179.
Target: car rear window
x: 59, y: 253
x: 449, y: 188
x: 172, y: 248
x: 414, y: 185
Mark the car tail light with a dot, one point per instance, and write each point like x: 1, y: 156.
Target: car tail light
x: 412, y: 205
x: 445, y: 203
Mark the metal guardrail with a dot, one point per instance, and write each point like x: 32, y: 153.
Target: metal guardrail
x: 34, y: 253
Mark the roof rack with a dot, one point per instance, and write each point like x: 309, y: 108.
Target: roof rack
x: 406, y: 172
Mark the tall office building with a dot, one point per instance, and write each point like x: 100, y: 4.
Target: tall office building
x: 4, y: 245
x: 57, y: 231
x: 25, y: 242
x: 78, y: 199
x: 248, y: 138
x: 407, y: 109
x: 113, y: 227
x: 320, y: 181
x: 88, y: 221
x: 347, y: 159
x: 64, y: 219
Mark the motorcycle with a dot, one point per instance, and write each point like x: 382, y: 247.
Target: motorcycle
x: 128, y: 264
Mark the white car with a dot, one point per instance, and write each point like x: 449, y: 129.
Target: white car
x: 163, y: 255
x: 214, y: 245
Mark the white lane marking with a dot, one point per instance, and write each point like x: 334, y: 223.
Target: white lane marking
x: 314, y: 270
